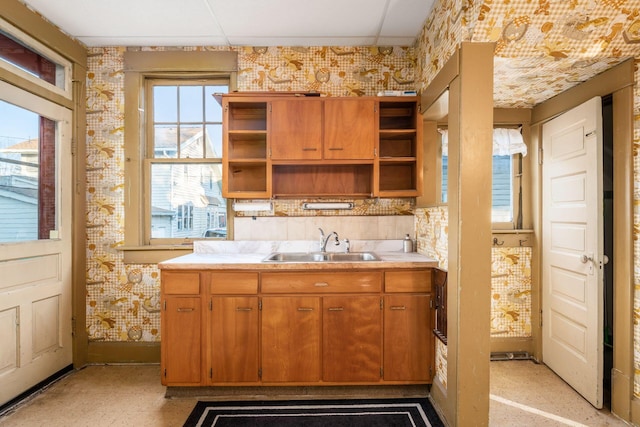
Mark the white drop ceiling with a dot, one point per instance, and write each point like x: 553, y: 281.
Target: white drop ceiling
x: 237, y: 22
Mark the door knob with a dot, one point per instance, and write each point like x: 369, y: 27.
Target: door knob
x: 584, y: 259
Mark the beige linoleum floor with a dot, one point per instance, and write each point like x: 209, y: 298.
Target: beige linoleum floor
x: 522, y: 394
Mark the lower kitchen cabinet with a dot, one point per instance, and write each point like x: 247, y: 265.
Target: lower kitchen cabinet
x: 234, y: 339
x: 181, y: 341
x: 291, y: 339
x: 181, y: 329
x: 408, y: 341
x: 351, y: 331
x: 295, y: 327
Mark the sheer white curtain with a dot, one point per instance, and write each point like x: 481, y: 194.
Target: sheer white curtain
x: 506, y: 141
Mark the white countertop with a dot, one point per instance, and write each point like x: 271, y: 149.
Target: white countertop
x: 228, y: 255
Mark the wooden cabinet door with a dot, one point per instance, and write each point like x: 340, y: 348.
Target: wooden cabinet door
x: 290, y: 339
x: 352, y: 338
x: 408, y: 341
x: 181, y: 341
x: 234, y: 339
x: 349, y: 129
x: 296, y: 129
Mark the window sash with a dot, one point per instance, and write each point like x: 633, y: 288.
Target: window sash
x: 511, y: 190
x: 201, y: 145
x: 61, y: 83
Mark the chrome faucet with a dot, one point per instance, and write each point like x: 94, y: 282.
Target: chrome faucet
x: 324, y: 240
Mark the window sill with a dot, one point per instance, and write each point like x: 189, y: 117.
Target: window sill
x: 512, y: 231
x: 153, y: 254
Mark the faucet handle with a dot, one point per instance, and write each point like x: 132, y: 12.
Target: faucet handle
x: 347, y: 246
x: 321, y: 232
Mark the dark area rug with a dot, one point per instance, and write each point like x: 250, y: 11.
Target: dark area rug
x: 316, y: 413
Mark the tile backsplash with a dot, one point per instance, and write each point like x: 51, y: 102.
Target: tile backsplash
x: 306, y: 228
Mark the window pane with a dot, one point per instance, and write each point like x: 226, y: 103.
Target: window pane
x: 186, y: 201
x: 165, y: 144
x: 191, y: 142
x: 502, y: 188
x: 165, y: 104
x: 502, y: 195
x: 191, y: 104
x: 27, y: 59
x: 445, y: 177
x: 213, y: 109
x: 27, y: 175
x: 214, y: 141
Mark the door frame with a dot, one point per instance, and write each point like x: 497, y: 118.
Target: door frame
x: 618, y: 81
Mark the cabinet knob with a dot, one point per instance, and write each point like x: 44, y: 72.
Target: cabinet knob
x: 305, y: 309
x: 321, y: 284
x: 336, y: 308
x: 244, y: 308
x: 185, y: 309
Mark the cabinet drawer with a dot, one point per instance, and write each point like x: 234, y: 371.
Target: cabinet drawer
x: 280, y: 283
x: 407, y: 281
x: 181, y: 283
x: 234, y: 283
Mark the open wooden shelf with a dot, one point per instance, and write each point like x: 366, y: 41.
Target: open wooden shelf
x: 323, y: 180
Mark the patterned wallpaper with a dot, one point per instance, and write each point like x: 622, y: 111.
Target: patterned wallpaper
x: 123, y: 300
x: 511, y: 292
x: 545, y: 47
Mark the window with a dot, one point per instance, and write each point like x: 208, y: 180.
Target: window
x: 174, y: 159
x: 23, y: 56
x: 184, y: 157
x: 34, y: 142
x: 27, y: 174
x: 507, y: 159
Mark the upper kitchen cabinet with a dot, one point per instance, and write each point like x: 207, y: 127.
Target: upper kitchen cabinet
x: 296, y: 129
x: 349, y: 128
x: 322, y: 129
x: 399, y: 166
x: 244, y: 154
x: 287, y: 145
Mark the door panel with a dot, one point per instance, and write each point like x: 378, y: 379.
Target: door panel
x: 351, y: 340
x: 573, y: 248
x: 234, y: 339
x: 35, y: 257
x: 291, y: 339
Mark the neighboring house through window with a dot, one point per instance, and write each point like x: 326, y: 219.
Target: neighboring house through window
x: 184, y: 155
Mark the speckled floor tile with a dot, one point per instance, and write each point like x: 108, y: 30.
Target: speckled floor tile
x: 523, y: 394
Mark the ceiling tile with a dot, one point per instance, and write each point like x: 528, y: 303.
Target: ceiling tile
x: 301, y: 41
x: 124, y: 18
x: 295, y: 18
x: 154, y: 41
x: 405, y: 17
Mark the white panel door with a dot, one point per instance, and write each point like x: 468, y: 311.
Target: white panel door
x: 572, y: 223
x: 35, y: 242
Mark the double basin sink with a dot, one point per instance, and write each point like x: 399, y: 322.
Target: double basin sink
x: 321, y: 257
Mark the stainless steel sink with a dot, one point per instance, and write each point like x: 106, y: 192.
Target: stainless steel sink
x: 321, y: 257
